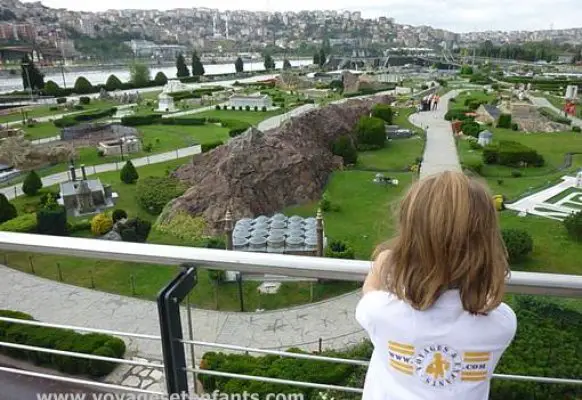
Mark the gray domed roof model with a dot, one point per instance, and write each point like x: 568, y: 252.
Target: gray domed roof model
x: 278, y: 224
x: 296, y: 218
x: 261, y: 220
x: 260, y: 233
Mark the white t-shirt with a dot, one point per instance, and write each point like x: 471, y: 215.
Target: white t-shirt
x: 440, y: 353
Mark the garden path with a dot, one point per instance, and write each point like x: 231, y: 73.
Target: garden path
x: 545, y: 103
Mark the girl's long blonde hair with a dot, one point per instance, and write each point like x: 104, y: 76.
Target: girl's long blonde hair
x: 448, y: 238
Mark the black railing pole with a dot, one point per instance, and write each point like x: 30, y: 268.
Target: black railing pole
x: 169, y: 300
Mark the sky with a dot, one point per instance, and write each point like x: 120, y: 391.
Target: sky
x: 454, y: 15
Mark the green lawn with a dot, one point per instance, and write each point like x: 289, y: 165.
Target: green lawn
x: 45, y: 111
x: 399, y: 155
x: 552, y: 146
x: 42, y: 130
x: 170, y: 137
x: 364, y: 216
x: 401, y: 118
x: 553, y: 250
x: 252, y: 117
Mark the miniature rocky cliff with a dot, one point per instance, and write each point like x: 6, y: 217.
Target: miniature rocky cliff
x: 263, y: 172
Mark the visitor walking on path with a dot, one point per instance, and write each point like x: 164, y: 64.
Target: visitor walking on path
x: 432, y: 302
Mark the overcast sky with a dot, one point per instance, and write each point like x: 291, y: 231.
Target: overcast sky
x: 454, y: 15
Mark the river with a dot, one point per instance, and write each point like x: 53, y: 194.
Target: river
x: 96, y: 77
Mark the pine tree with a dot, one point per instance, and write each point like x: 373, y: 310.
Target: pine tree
x: 239, y: 65
x: 197, y: 67
x: 316, y: 58
x: 7, y: 209
x: 182, y: 68
x: 286, y: 64
x: 161, y: 79
x: 32, y: 78
x: 82, y: 85
x: 128, y: 173
x: 322, y: 58
x: 32, y: 184
x: 269, y: 62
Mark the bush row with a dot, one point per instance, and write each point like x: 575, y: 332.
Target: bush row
x: 72, y: 120
x: 63, y: 340
x: 206, y: 147
x: 512, y: 154
x: 369, y: 91
x: 554, y: 116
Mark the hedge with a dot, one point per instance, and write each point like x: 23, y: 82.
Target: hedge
x: 52, y: 221
x: 63, y: 340
x: 25, y: 223
x: 136, y: 120
x: 153, y: 193
x: 504, y: 121
x: 547, y: 343
x: 183, y: 121
x: 511, y: 154
x: 519, y: 244
x: 458, y: 114
x: 554, y: 116
x: 370, y: 133
x: 84, y: 117
x: 206, y: 147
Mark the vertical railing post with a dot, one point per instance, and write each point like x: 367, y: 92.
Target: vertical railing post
x: 169, y: 300
x: 319, y: 231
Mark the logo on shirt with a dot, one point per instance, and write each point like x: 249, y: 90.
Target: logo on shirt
x: 439, y: 365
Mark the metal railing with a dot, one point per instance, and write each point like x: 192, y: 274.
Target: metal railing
x: 175, y: 361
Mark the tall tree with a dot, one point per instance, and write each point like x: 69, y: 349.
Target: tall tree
x: 322, y: 57
x: 239, y: 65
x: 32, y: 78
x: 139, y: 74
x: 316, y: 58
x: 197, y: 67
x: 269, y: 63
x: 182, y: 69
x: 286, y: 64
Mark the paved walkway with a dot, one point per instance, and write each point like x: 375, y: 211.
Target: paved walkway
x: 331, y: 321
x: 440, y: 153
x: 16, y: 190
x: 543, y: 102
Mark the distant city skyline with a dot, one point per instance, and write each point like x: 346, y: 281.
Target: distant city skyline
x: 453, y: 15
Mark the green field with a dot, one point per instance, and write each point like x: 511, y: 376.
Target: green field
x: 45, y: 111
x: 398, y: 155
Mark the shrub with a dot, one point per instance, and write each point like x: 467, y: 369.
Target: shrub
x: 32, y: 184
x: 473, y: 144
x: 344, y: 148
x: 370, y: 133
x: 184, y: 226
x: 573, y: 225
x: 233, y: 108
x: 206, y: 147
x: 264, y: 109
x: 84, y: 100
x: 61, y: 100
x: 137, y: 120
x: 63, y: 340
x: 512, y: 154
x: 576, y: 128
x: 217, y: 107
x: 240, y: 108
x: 516, y: 173
x: 339, y: 249
x: 225, y: 107
x: 48, y: 198
x: 471, y: 128
x: 82, y: 86
x: 256, y: 108
x: 7, y: 209
x: 474, y: 166
x: 247, y: 108
x: 52, y: 218
x: 25, y: 223
x: 78, y: 107
x: 504, y: 121
x: 495, y: 86
x: 79, y: 226
x: 458, y: 114
x: 384, y: 112
x: 128, y: 173
x: 101, y: 224
x: 118, y: 215
x: 135, y: 230
x: 236, y: 127
x: 160, y: 79
x: 518, y: 242
x: 113, y: 83
x: 515, y: 126
x: 51, y: 88
x: 153, y: 193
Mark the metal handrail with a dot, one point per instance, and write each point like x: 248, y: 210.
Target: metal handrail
x: 198, y: 370
x: 257, y: 263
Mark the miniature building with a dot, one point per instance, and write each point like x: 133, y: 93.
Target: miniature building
x: 579, y: 179
x: 166, y: 103
x: 85, y: 196
x: 252, y: 101
x: 487, y: 114
x: 485, y: 138
x: 7, y: 172
x: 395, y: 132
x: 125, y: 145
